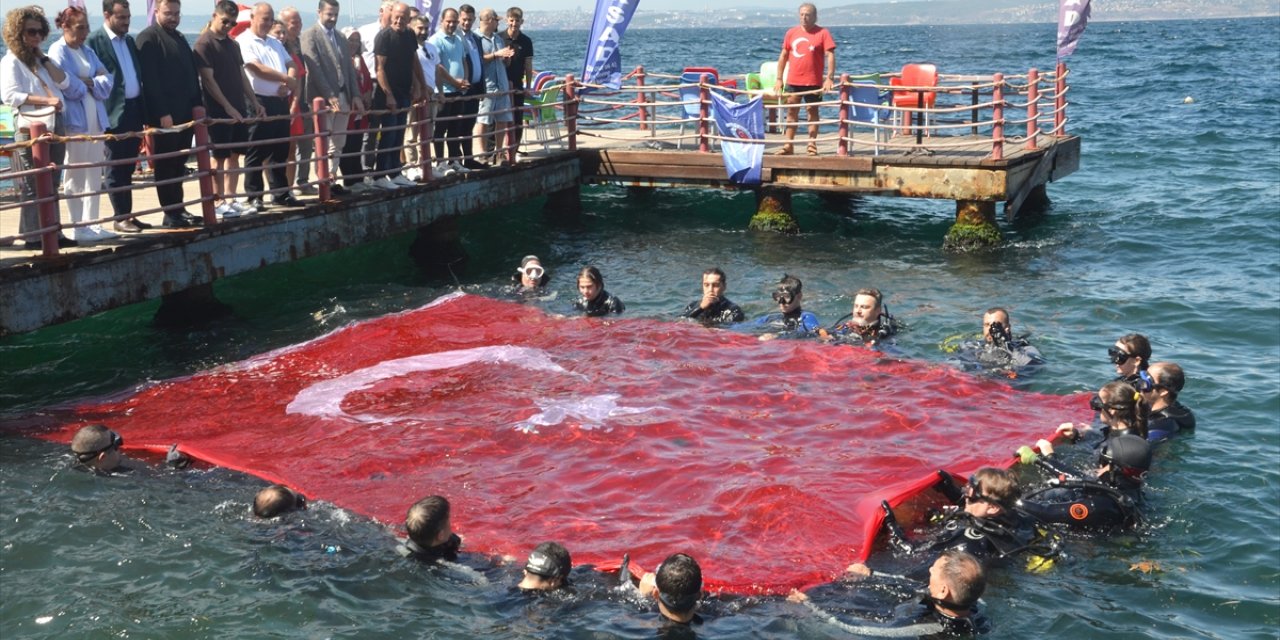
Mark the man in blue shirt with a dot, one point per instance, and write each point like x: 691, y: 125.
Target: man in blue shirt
x: 453, y: 84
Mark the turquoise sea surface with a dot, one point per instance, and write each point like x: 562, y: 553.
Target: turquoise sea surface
x: 1171, y: 228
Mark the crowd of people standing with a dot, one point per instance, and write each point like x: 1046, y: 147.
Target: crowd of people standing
x: 257, y: 87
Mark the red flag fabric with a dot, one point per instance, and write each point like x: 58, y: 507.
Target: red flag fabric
x: 766, y: 461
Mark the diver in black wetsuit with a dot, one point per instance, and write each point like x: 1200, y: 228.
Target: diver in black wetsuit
x: 677, y: 586
x: 870, y: 322
x: 1109, y: 498
x: 948, y: 604
x: 430, y: 529
x: 1120, y: 410
x: 277, y: 499
x: 547, y: 568
x: 999, y: 350
x: 594, y: 300
x: 986, y: 525
x: 530, y: 276
x: 97, y: 448
x: 1168, y: 416
x: 713, y: 307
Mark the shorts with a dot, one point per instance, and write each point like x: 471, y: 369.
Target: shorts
x: 228, y: 138
x: 494, y: 108
x: 810, y: 97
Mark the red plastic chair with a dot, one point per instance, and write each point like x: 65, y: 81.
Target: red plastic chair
x: 915, y: 75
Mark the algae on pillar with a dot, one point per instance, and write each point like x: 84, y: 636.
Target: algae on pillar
x: 773, y: 211
x: 975, y: 227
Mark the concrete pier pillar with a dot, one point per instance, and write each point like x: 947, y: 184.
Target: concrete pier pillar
x: 437, y: 249
x: 190, y: 307
x: 773, y: 211
x: 565, y: 204
x: 975, y: 228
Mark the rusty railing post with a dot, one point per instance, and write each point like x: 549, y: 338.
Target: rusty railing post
x: 48, y: 211
x: 1060, y: 101
x: 320, y: 113
x: 704, y: 103
x: 842, y: 148
x: 571, y: 111
x: 997, y: 117
x: 643, y: 113
x: 423, y: 123
x: 204, y: 168
x: 1033, y: 111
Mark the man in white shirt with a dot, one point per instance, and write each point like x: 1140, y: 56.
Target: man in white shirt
x: 268, y: 65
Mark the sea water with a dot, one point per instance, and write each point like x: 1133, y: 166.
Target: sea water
x: 1171, y: 228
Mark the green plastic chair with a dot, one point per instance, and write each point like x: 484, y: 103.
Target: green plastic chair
x: 541, y: 117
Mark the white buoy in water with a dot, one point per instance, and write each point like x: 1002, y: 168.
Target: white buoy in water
x: 1188, y: 100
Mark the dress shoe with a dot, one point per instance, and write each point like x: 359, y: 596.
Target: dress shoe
x: 286, y: 200
x: 192, y: 219
x: 137, y: 222
x: 338, y: 190
x: 128, y: 226
x: 37, y: 245
x: 473, y: 165
x: 175, y: 221
x: 257, y: 203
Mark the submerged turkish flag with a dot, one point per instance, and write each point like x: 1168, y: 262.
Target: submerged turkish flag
x: 766, y: 461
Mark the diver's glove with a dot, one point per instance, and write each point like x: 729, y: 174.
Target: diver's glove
x: 176, y: 459
x: 947, y: 486
x: 1026, y: 455
x: 897, y: 537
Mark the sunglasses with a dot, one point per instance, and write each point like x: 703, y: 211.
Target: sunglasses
x: 116, y: 442
x: 533, y: 272
x: 226, y: 22
x: 37, y: 32
x: 1117, y: 356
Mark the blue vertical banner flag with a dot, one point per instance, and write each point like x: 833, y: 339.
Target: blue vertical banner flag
x: 1073, y: 15
x: 743, y: 125
x: 603, y: 64
x: 430, y: 9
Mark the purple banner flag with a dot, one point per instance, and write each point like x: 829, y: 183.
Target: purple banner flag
x: 1073, y: 15
x: 430, y: 9
x: 151, y: 12
x: 603, y: 65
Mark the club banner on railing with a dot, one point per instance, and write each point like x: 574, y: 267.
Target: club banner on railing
x: 1073, y: 15
x: 743, y: 161
x: 603, y: 64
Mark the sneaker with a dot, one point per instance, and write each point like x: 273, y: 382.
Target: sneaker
x: 359, y: 187
x: 103, y: 234
x: 243, y: 209
x: 225, y: 210
x: 458, y: 167
x: 413, y: 173
x: 437, y: 173
x: 386, y: 183
x: 403, y: 181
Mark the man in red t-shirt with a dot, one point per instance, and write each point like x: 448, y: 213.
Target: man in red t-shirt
x: 808, y: 62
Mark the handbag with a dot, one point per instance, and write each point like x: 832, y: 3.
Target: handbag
x: 30, y: 114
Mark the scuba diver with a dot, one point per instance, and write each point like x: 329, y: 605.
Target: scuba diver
x: 870, y: 322
x: 1121, y: 410
x: 277, y: 499
x: 713, y: 307
x: 677, y: 586
x: 530, y: 277
x: 547, y: 568
x: 984, y: 521
x: 594, y: 300
x: 430, y: 529
x: 1168, y: 416
x: 790, y: 319
x: 1108, y: 498
x: 999, y: 350
x: 1131, y: 355
x: 947, y: 604
x: 97, y: 449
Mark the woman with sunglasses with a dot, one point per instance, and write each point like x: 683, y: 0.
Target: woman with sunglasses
x: 89, y: 85
x: 32, y: 85
x: 1131, y: 354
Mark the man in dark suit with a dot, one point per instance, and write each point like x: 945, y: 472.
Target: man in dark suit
x: 332, y: 77
x: 115, y: 47
x: 171, y: 89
